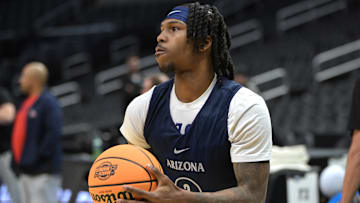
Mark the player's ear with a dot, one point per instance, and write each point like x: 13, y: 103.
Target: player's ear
x: 205, y: 45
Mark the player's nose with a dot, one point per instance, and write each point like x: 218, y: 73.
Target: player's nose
x: 161, y: 37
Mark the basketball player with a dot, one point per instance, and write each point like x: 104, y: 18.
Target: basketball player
x: 210, y: 134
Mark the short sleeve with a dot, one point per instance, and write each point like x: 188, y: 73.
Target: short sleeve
x: 354, y: 122
x: 249, y: 128
x: 133, y: 126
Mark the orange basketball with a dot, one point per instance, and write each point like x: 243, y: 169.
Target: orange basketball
x: 118, y: 166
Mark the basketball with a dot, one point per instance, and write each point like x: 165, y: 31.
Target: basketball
x: 119, y: 166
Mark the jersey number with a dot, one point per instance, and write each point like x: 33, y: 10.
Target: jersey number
x: 187, y: 187
x: 188, y: 184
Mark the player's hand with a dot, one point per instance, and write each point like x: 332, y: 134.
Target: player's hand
x: 166, y: 191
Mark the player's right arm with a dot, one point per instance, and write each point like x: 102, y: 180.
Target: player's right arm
x: 134, y: 120
x: 352, y: 180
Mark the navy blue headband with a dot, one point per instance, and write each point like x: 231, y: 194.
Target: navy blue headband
x: 179, y: 13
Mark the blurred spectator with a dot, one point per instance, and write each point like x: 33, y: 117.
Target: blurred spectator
x: 133, y: 80
x: 153, y: 80
x: 36, y: 138
x: 7, y: 115
x: 352, y: 174
x: 243, y: 79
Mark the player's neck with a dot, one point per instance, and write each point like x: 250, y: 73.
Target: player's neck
x: 191, y: 85
x: 36, y: 91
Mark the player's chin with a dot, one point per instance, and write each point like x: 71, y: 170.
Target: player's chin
x: 166, y: 67
x: 163, y: 64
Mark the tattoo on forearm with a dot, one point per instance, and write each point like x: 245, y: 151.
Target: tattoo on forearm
x: 252, y: 185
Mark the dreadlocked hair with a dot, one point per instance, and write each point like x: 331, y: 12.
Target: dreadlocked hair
x: 206, y: 21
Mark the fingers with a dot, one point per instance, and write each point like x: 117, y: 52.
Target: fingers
x: 138, y: 192
x: 156, y: 172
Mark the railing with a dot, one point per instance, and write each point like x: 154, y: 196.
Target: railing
x: 269, y: 76
x: 230, y: 7
x: 78, y: 30
x: 76, y: 65
x: 306, y: 11
x: 51, y: 15
x: 77, y: 129
x: 245, y: 33
x: 108, y: 81
x: 121, y: 48
x: 322, y: 73
x: 68, y: 93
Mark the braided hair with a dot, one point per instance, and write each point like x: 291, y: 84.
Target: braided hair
x: 206, y: 21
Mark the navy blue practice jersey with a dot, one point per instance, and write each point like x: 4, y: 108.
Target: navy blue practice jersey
x: 198, y: 160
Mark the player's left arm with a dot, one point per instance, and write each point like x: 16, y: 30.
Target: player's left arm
x: 252, y: 181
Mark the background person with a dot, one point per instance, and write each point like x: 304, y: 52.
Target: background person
x: 7, y: 115
x: 36, y: 138
x: 133, y: 80
x: 152, y: 81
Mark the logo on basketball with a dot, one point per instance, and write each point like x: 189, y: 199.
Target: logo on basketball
x: 112, y: 197
x: 105, y: 170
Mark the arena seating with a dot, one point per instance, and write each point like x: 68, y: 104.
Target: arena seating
x: 259, y: 46
x: 304, y: 55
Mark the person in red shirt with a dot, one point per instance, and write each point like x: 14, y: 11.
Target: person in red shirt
x: 36, y: 138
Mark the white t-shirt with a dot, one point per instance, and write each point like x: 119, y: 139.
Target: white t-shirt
x: 249, y: 125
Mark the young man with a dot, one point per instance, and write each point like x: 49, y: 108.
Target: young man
x: 36, y: 138
x: 210, y: 134
x: 352, y: 175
